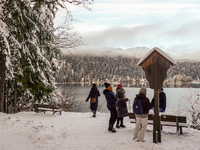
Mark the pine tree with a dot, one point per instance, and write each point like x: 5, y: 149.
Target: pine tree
x: 31, y: 44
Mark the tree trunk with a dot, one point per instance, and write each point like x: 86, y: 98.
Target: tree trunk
x: 15, y: 96
x: 2, y: 81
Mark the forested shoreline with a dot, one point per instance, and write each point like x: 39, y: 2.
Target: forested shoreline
x: 87, y: 68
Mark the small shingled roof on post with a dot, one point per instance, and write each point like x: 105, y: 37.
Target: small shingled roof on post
x: 159, y: 51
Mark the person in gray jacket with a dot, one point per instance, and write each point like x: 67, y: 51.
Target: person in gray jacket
x: 121, y: 106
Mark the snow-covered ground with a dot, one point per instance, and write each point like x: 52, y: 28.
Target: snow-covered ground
x: 80, y: 131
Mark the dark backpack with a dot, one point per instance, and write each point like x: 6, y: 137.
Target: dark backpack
x: 137, y: 107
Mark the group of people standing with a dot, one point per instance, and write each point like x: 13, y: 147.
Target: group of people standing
x: 116, y: 104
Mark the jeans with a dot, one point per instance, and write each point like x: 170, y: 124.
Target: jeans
x: 94, y: 112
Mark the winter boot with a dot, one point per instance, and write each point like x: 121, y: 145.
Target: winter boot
x: 123, y: 126
x: 109, y: 128
x: 117, y: 126
x: 112, y: 130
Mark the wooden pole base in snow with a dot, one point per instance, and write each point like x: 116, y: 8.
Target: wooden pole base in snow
x: 156, y: 119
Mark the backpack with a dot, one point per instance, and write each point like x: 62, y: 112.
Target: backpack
x: 137, y: 107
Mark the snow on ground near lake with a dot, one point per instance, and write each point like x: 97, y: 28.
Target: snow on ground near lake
x: 80, y: 131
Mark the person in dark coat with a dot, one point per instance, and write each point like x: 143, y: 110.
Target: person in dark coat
x: 94, y: 92
x: 111, y: 105
x: 121, y: 106
x: 162, y: 100
x: 143, y: 118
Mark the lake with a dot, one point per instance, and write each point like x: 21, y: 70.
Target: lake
x: 174, y: 95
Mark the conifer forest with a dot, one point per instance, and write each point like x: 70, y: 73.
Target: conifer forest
x: 74, y: 69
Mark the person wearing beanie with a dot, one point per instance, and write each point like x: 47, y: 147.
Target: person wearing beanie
x: 111, y: 105
x: 143, y: 91
x: 143, y: 118
x: 107, y: 84
x: 94, y: 93
x: 121, y: 106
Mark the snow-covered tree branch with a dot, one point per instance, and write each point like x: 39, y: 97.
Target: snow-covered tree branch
x: 31, y: 44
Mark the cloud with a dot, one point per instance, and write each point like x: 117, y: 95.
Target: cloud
x: 171, y: 25
x: 170, y: 33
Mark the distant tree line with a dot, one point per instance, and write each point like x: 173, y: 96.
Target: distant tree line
x: 118, y: 69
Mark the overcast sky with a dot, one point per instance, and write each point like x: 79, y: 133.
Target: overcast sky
x: 171, y: 25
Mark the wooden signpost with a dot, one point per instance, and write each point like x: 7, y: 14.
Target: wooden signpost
x: 155, y: 64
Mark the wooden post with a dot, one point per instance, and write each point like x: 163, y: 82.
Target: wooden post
x: 155, y: 64
x: 156, y: 118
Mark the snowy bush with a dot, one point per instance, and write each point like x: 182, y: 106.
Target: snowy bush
x: 189, y: 105
x: 196, y: 114
x: 63, y: 98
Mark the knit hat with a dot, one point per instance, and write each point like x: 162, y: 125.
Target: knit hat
x: 107, y: 84
x: 119, y: 85
x: 143, y: 90
x: 161, y: 90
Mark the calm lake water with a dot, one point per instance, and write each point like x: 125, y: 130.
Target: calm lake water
x: 174, y: 95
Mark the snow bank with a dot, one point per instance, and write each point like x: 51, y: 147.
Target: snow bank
x: 75, y: 131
